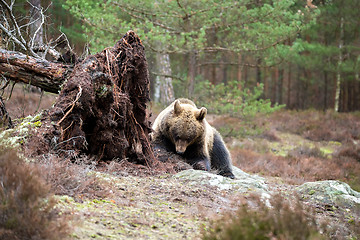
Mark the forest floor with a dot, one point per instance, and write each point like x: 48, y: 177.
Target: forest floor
x: 121, y: 200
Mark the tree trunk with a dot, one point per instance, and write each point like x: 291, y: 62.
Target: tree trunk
x: 298, y: 87
x: 40, y: 73
x: 258, y: 71
x: 240, y: 70
x: 280, y: 86
x: 246, y: 76
x: 36, y: 28
x: 266, y: 83
x: 289, y: 93
x: 5, y: 119
x: 164, y: 92
x: 325, y: 90
x: 101, y: 109
x: 340, y: 60
x: 192, y: 73
x: 276, y: 85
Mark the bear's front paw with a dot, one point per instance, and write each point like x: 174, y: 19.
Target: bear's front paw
x: 227, y: 174
x: 200, y: 166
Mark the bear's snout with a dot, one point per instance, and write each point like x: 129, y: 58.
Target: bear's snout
x: 180, y: 146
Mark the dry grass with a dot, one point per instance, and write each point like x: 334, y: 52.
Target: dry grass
x: 26, y: 100
x: 318, y: 126
x: 303, y: 163
x: 73, y: 179
x: 27, y: 204
x: 256, y: 220
x: 299, y: 168
x: 349, y: 150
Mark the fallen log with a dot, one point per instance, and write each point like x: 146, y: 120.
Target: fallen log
x: 44, y: 74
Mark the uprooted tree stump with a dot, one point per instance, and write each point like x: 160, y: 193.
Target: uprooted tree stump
x: 101, y: 110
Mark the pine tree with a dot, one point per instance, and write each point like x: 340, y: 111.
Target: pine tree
x: 185, y: 29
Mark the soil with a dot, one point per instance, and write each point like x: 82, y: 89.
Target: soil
x: 147, y: 207
x: 144, y: 205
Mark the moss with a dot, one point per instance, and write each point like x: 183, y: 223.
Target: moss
x: 312, y: 192
x: 103, y: 90
x: 16, y: 136
x: 37, y: 124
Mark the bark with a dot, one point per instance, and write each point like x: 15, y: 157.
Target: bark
x: 240, y: 69
x: 280, y: 86
x: 36, y: 29
x: 258, y: 71
x: 46, y: 75
x: 275, y: 85
x: 5, y: 119
x: 164, y: 92
x: 289, y: 93
x: 298, y: 87
x: 340, y: 60
x: 326, y: 82
x: 192, y: 73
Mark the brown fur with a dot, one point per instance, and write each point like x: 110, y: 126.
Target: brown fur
x: 182, y: 128
x: 182, y: 116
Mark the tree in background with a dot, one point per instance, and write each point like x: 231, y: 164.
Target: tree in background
x: 300, y: 62
x: 197, y: 35
x: 330, y: 57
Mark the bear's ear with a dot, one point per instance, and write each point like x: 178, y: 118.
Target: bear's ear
x: 177, y: 107
x: 201, y: 114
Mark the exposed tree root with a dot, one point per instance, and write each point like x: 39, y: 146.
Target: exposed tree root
x: 101, y: 109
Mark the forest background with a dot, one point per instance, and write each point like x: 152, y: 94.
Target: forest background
x: 226, y: 54
x: 236, y: 58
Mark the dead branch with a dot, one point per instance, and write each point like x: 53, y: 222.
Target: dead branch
x: 19, y: 38
x: 46, y: 75
x: 5, y: 119
x: 72, y: 105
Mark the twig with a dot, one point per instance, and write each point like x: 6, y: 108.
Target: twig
x: 78, y: 95
x: 11, y: 36
x: 41, y: 96
x: 22, y: 41
x: 7, y: 81
x: 11, y: 91
x: 68, y: 140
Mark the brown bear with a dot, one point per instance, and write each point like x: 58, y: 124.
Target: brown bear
x: 182, y: 128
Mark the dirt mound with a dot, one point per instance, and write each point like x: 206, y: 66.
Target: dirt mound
x: 101, y: 110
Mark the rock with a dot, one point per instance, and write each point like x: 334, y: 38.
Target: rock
x: 332, y: 193
x: 243, y: 182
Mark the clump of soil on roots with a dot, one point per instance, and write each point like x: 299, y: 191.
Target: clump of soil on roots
x: 101, y: 110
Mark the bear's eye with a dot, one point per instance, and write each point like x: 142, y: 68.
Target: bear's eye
x: 176, y: 137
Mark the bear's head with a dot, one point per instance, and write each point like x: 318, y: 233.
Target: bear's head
x: 185, y: 125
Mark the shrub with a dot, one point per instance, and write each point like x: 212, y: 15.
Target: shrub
x: 233, y: 99
x: 27, y: 206
x: 73, y: 179
x: 350, y: 150
x: 305, y: 151
x: 318, y: 126
x: 280, y: 221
